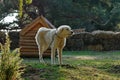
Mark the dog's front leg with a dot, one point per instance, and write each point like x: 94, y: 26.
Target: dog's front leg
x: 52, y: 55
x: 59, y: 56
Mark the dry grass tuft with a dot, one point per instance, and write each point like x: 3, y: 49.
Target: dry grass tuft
x: 10, y: 62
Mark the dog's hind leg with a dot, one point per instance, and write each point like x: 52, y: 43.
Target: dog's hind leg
x: 42, y: 49
x: 41, y: 55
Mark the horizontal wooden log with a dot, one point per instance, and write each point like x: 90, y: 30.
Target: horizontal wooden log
x: 30, y: 34
x: 26, y: 38
x: 30, y: 41
x: 29, y: 47
x: 32, y: 50
x: 28, y: 44
x: 28, y: 54
x: 27, y: 35
x: 33, y: 30
x: 31, y: 27
x: 28, y: 50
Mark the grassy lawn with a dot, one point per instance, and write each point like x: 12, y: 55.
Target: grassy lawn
x: 78, y: 65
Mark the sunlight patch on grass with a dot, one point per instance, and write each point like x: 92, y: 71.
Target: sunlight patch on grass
x: 92, y: 55
x: 80, y: 57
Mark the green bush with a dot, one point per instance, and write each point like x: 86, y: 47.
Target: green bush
x: 10, y: 62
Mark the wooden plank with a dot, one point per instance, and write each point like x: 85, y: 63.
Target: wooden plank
x: 29, y: 26
x: 43, y: 20
x: 34, y: 53
x: 22, y: 32
x: 28, y: 44
x: 31, y: 34
x: 30, y: 47
x: 23, y: 48
x: 28, y: 54
x: 38, y: 22
x: 29, y: 41
x: 26, y: 38
x: 31, y: 50
x: 36, y: 27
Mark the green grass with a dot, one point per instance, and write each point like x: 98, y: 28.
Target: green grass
x: 78, y: 65
x: 90, y: 52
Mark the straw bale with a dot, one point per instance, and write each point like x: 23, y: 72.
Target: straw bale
x: 97, y: 47
x: 96, y: 40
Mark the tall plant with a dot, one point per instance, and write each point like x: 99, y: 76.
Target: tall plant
x: 10, y: 62
x: 21, y: 5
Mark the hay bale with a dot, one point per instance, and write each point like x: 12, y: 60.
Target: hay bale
x: 97, y: 47
x: 88, y: 38
x: 97, y: 40
x: 79, y: 36
x: 105, y: 38
x: 103, y: 34
x: 117, y: 35
x: 74, y: 44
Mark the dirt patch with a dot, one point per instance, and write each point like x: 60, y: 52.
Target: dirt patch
x: 68, y: 66
x: 46, y: 73
x: 32, y: 73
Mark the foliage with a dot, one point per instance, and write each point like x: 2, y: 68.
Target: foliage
x: 20, y: 7
x: 28, y: 1
x: 89, y: 14
x: 7, y: 6
x: 10, y: 62
x: 21, y: 3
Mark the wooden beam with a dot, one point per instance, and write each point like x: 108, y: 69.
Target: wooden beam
x: 28, y: 54
x: 28, y: 44
x: 28, y: 41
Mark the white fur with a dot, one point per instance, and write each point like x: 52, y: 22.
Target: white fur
x: 54, y: 38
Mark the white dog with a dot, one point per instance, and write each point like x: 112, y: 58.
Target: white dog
x: 54, y: 38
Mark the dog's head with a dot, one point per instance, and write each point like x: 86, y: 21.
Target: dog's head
x: 65, y: 30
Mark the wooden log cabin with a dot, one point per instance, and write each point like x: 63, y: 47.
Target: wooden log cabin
x: 28, y: 46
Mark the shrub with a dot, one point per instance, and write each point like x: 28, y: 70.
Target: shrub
x: 10, y: 62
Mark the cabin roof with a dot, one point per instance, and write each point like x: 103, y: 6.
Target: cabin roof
x: 39, y: 20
